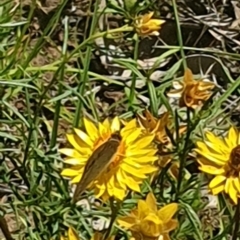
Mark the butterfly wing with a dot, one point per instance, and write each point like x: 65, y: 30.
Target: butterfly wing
x: 96, y: 164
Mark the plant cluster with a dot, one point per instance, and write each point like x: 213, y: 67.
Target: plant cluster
x: 168, y: 168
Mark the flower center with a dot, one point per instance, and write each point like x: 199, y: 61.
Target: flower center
x: 234, y: 161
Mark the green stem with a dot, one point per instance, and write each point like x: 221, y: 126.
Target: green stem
x: 113, y: 217
x: 134, y: 77
x: 183, y: 155
x: 236, y: 221
x: 179, y: 34
x: 84, y: 76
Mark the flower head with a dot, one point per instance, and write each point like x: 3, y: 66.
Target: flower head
x: 192, y: 93
x: 155, y: 126
x: 158, y: 127
x: 146, y: 26
x: 221, y: 158
x: 147, y: 222
x: 127, y: 169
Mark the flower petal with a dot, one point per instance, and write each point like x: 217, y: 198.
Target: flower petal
x: 232, y: 138
x: 68, y: 172
x: 217, y: 181
x: 143, y: 142
x: 72, y: 235
x: 70, y: 152
x: 218, y: 189
x: 152, y: 202
x: 233, y: 191
x: 167, y: 212
x: 91, y: 129
x: 126, y: 221
x: 84, y: 137
x: 76, y: 161
x: 115, y: 126
x: 133, y: 136
x: 211, y: 170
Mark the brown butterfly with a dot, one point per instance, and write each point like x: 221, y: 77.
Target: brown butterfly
x: 97, y: 163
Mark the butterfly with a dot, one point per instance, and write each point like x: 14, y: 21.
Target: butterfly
x: 97, y: 163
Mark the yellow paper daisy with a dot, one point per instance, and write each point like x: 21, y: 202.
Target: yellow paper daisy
x: 158, y: 127
x: 221, y: 157
x: 149, y: 223
x: 128, y: 168
x: 191, y: 93
x: 146, y: 25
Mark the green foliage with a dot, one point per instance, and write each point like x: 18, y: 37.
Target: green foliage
x: 48, y: 85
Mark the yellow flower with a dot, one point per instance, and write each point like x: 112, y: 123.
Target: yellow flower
x: 146, y: 26
x: 192, y: 93
x: 130, y: 165
x: 158, y: 127
x: 155, y: 126
x: 221, y: 157
x: 147, y: 222
x: 71, y: 235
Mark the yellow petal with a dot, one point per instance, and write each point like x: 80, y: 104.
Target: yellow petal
x: 68, y: 172
x: 106, y: 123
x: 76, y: 161
x: 72, y: 235
x: 78, y: 144
x: 211, y: 170
x: 146, y: 159
x: 236, y: 182
x: 152, y: 202
x: 136, y: 153
x: 232, y: 138
x: 143, y: 142
x: 71, y: 139
x: 219, y: 159
x: 126, y: 221
x: 120, y: 178
x: 232, y: 191
x: 132, y: 171
x: 115, y: 126
x: 216, y: 143
x: 171, y: 225
x: 91, y: 129
x: 77, y: 178
x: 155, y: 23
x: 84, y: 137
x: 132, y: 184
x: 143, y: 209
x: 70, y: 152
x: 146, y: 17
x: 227, y: 185
x: 218, y: 189
x: 217, y: 180
x: 138, y: 162
x: 133, y: 136
x: 131, y: 124
x: 119, y: 193
x: 150, y: 226
x: 167, y: 212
